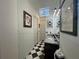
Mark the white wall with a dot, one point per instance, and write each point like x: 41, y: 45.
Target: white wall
x: 70, y: 44
x: 35, y: 29
x: 8, y: 29
x: 26, y: 36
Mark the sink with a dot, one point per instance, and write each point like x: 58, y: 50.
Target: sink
x: 51, y: 40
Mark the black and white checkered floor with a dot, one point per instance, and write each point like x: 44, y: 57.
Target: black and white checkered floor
x: 37, y: 52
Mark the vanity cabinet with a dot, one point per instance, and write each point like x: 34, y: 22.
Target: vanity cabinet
x: 50, y: 50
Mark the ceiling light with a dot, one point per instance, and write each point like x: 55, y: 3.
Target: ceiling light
x: 68, y: 8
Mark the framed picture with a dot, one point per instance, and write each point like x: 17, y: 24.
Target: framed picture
x: 27, y: 19
x: 69, y: 17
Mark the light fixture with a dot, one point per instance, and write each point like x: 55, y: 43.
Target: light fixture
x: 54, y: 12
x: 58, y: 12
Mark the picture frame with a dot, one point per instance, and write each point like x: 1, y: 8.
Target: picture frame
x: 68, y: 17
x: 27, y: 19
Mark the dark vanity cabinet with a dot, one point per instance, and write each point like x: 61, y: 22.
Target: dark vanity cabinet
x: 50, y: 50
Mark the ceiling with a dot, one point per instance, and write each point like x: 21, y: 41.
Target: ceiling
x: 51, y: 4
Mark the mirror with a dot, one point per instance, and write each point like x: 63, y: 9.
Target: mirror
x: 69, y: 17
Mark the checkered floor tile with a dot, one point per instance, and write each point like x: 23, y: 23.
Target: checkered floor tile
x: 38, y: 51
